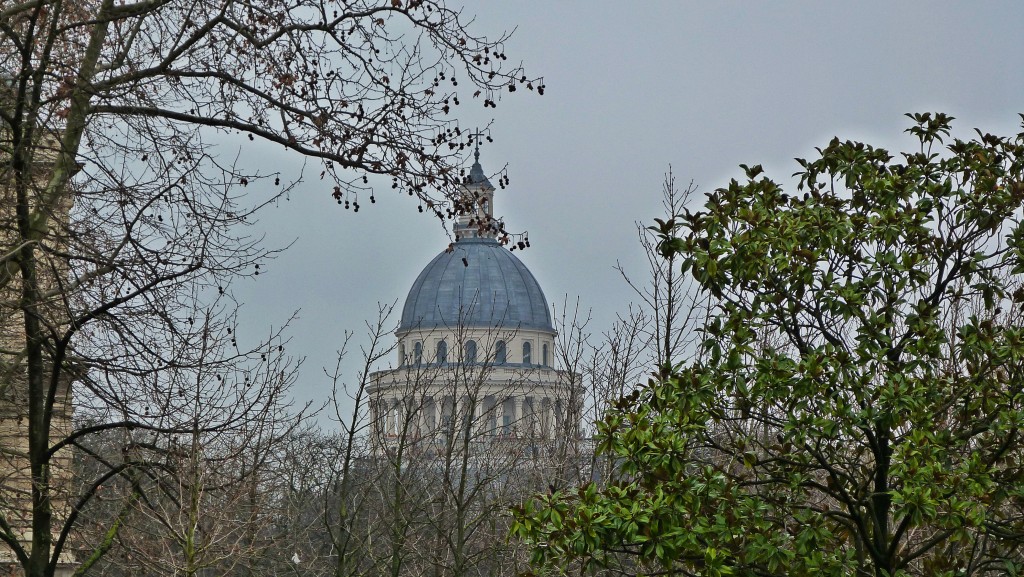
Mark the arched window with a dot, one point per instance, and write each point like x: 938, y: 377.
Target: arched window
x: 402, y: 361
x: 499, y: 353
x: 417, y: 353
x: 469, y: 354
x: 526, y: 353
x: 442, y: 353
x: 544, y: 355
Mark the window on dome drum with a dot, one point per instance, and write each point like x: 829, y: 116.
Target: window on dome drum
x: 442, y: 353
x: 401, y: 355
x: 470, y: 353
x: 508, y: 414
x: 417, y: 353
x: 544, y: 355
x: 430, y: 411
x: 499, y: 353
x: 526, y: 353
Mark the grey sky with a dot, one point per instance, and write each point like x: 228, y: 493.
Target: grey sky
x: 631, y: 89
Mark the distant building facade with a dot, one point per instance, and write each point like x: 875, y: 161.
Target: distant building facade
x: 15, y: 470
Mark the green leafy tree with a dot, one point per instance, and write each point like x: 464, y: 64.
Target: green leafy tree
x: 857, y: 406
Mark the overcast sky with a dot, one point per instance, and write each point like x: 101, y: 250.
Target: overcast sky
x: 632, y: 88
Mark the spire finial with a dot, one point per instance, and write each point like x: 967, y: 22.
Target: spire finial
x: 476, y: 172
x: 477, y: 221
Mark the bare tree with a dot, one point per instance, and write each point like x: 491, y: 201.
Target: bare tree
x: 669, y: 304
x: 123, y: 226
x: 659, y: 329
x: 188, y: 486
x: 434, y: 455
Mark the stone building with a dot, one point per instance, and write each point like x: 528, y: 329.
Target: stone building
x: 15, y: 470
x: 475, y: 351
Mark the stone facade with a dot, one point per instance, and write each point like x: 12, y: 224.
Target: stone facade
x: 466, y: 377
x: 15, y: 471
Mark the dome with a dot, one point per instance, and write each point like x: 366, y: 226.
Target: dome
x: 478, y: 283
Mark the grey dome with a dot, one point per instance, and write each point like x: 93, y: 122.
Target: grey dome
x: 479, y: 283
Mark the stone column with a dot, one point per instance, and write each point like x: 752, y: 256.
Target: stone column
x: 526, y: 418
x: 559, y: 408
x: 516, y: 415
x: 547, y: 430
x: 389, y: 416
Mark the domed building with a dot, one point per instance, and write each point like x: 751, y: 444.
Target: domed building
x: 475, y: 349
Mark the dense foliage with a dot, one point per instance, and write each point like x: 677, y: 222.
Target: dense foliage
x: 857, y: 406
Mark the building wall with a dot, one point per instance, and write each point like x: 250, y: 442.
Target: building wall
x: 15, y: 472
x: 486, y: 340
x: 508, y: 403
